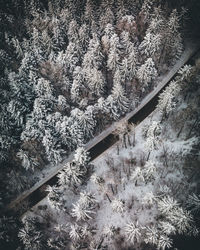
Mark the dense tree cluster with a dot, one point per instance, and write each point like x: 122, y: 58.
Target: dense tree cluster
x: 68, y: 69
x: 71, y: 67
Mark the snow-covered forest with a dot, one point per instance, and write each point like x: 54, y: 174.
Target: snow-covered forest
x: 69, y: 70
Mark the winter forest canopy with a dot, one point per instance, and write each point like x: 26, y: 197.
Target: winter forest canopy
x: 68, y: 71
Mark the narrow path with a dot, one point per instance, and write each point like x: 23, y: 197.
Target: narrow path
x: 104, y: 140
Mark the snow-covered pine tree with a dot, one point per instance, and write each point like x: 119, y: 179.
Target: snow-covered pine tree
x: 167, y: 204
x: 147, y: 72
x: 29, y: 234
x: 72, y: 32
x: 106, y: 17
x: 53, y: 149
x: 28, y: 162
x: 151, y: 235
x: 167, y: 99
x: 173, y: 45
x: 81, y: 156
x: 152, y: 135
x: 89, y: 14
x: 77, y: 85
x: 84, y: 36
x: 71, y: 175
x: 109, y: 231
x: 81, y: 212
x: 96, y: 81
x: 55, y: 197
x: 164, y: 242
x: 151, y: 46
x: 85, y: 120
x: 97, y: 179
x: 75, y: 232
x: 193, y: 203
x: 62, y: 103
x: 107, y: 34
x: 182, y: 220
x: 87, y: 199
x: 167, y: 228
x: 72, y: 55
x: 133, y: 232
x: 117, y: 102
x: 114, y: 53
x: 94, y: 55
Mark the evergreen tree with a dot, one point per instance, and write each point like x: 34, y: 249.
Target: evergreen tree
x: 114, y: 53
x: 117, y: 102
x: 147, y: 72
x: 96, y: 81
x: 77, y: 85
x: 133, y: 232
